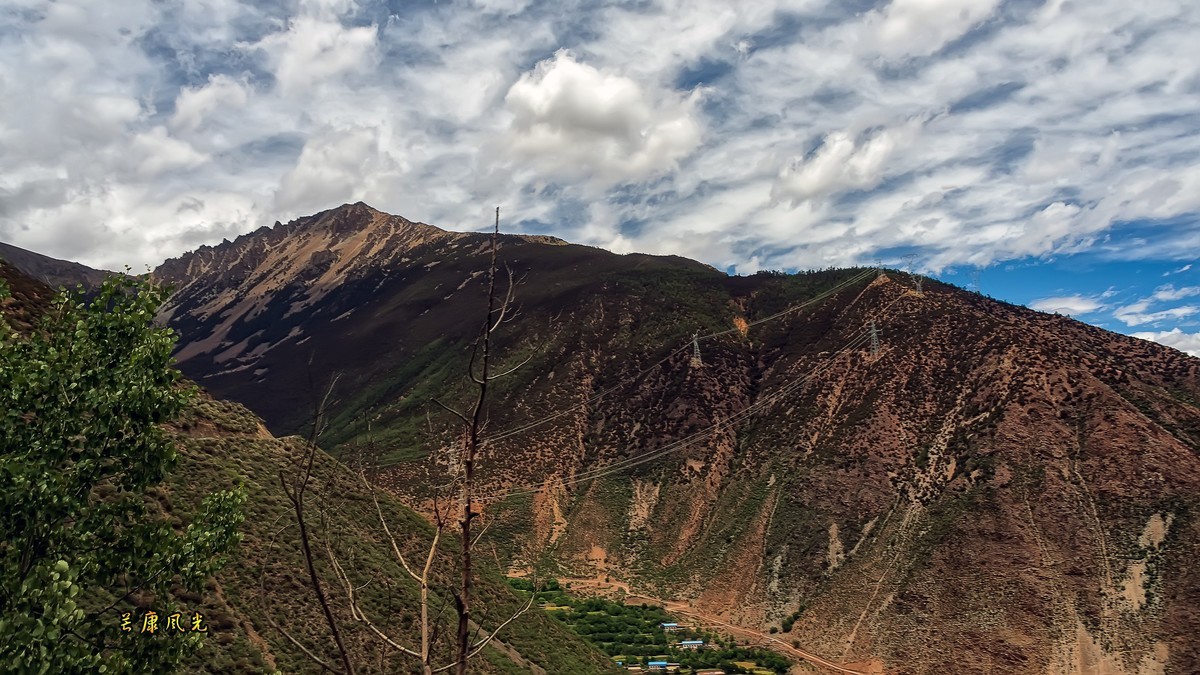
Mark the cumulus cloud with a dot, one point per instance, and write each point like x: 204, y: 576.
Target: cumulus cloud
x: 843, y: 163
x: 572, y: 119
x: 1184, y: 342
x: 1074, y: 305
x: 317, y: 48
x: 154, y: 152
x: 194, y: 105
x: 1139, y: 313
x: 779, y: 134
x: 921, y: 27
x: 334, y: 168
x: 1168, y: 292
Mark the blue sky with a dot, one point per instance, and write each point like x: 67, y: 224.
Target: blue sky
x: 1051, y: 145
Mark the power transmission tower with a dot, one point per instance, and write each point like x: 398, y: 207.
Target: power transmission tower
x: 975, y: 281
x: 696, y: 362
x: 874, y: 339
x: 878, y: 268
x: 909, y: 266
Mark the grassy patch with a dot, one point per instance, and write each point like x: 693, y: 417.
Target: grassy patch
x: 634, y: 634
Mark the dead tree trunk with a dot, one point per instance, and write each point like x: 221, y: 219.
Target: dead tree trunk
x: 499, y: 311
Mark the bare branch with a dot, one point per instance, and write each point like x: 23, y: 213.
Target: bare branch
x: 482, y: 643
x: 505, y: 304
x: 262, y: 583
x: 388, y: 531
x: 312, y: 657
x: 512, y: 370
x: 422, y: 580
x: 474, y: 357
x: 480, y: 535
x: 452, y: 411
x: 478, y: 646
x: 296, y: 496
x: 356, y: 611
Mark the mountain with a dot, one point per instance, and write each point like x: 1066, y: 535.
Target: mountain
x: 223, y: 445
x: 27, y: 297
x: 51, y: 271
x: 991, y: 489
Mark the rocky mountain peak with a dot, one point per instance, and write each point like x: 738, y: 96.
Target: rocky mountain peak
x: 303, y: 260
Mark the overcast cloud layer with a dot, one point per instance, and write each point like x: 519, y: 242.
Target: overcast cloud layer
x: 751, y: 135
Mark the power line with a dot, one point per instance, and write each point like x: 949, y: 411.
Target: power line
x: 863, y: 335
x: 595, y: 397
x: 794, y: 308
x: 695, y: 346
x: 680, y: 444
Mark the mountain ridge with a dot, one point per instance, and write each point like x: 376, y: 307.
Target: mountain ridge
x: 52, y: 271
x: 1051, y: 457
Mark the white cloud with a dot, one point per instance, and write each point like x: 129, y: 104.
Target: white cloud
x: 195, y: 105
x: 1168, y: 292
x: 155, y: 152
x: 315, y: 49
x: 786, y: 133
x: 1139, y: 314
x: 571, y: 119
x: 334, y: 168
x: 844, y: 163
x: 1184, y: 342
x: 1151, y: 310
x: 922, y: 27
x: 1074, y: 305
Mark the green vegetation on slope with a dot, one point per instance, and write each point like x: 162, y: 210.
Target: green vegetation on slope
x: 265, y: 578
x: 634, y: 634
x: 84, y: 542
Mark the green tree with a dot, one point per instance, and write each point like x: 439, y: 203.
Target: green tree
x: 82, y: 398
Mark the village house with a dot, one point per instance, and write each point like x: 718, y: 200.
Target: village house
x: 670, y: 627
x: 692, y: 645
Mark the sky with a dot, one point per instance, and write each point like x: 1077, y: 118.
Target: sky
x: 1051, y: 147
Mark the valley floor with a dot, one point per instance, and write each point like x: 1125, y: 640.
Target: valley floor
x: 600, y: 586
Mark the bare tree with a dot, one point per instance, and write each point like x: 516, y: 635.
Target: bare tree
x: 500, y: 309
x: 479, y: 370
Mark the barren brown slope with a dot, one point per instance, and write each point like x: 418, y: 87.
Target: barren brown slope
x: 27, y: 297
x: 996, y: 491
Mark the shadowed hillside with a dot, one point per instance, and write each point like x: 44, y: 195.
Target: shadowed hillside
x: 51, y: 271
x: 27, y: 297
x: 993, y: 490
x: 223, y: 445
